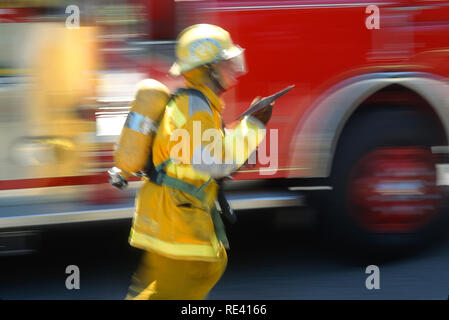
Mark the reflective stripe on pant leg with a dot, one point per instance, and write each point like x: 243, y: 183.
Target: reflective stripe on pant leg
x: 176, y: 250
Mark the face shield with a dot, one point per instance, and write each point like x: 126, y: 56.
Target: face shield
x: 234, y: 59
x: 231, y: 66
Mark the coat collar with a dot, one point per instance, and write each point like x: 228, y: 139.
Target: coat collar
x: 215, y: 101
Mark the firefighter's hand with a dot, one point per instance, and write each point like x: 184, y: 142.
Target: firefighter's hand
x: 264, y: 114
x: 116, y: 179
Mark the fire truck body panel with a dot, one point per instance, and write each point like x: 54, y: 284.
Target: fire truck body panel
x: 345, y: 70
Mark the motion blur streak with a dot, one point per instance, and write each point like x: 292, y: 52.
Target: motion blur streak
x: 363, y: 136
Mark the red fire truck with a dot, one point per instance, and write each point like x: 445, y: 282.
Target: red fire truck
x: 363, y: 135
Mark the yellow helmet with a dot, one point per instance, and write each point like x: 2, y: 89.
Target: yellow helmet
x: 202, y: 44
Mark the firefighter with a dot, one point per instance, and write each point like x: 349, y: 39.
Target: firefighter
x: 176, y: 222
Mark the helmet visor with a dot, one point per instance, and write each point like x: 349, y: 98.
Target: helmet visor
x: 237, y: 63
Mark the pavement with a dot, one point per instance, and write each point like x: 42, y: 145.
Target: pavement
x: 270, y: 258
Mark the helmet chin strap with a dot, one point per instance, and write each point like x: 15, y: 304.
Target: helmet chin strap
x: 215, y: 78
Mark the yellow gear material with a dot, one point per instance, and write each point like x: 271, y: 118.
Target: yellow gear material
x: 162, y: 278
x: 168, y: 220
x: 136, y: 139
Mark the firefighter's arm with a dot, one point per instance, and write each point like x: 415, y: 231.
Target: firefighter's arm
x: 219, y: 155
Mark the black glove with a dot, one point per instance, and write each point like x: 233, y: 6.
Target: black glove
x: 116, y: 179
x: 263, y: 115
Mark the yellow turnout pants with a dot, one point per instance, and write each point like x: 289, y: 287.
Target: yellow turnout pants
x: 162, y: 278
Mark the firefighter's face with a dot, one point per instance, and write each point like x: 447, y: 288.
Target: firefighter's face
x: 232, y: 69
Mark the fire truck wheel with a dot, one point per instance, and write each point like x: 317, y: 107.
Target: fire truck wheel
x: 385, y: 196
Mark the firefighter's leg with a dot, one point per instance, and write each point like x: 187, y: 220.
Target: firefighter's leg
x: 162, y: 278
x: 142, y: 278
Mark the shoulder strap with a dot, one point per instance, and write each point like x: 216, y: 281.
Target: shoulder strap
x: 197, y: 92
x: 194, y: 96
x: 158, y: 175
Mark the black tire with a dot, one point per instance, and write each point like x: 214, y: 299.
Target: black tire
x: 370, y: 129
